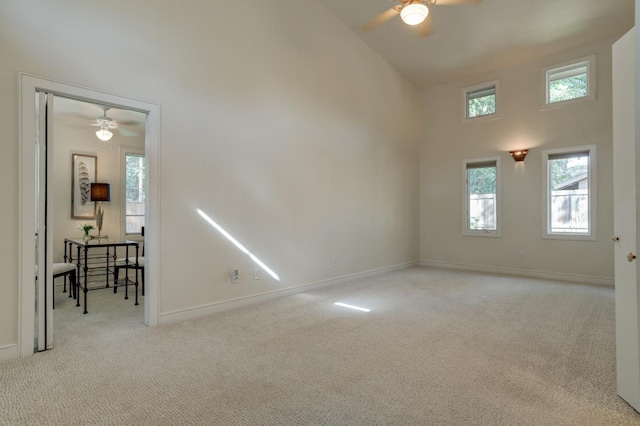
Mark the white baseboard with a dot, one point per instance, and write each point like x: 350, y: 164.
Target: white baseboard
x: 226, y: 305
x: 8, y: 352
x: 558, y: 276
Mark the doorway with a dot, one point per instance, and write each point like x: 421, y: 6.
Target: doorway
x: 91, y: 147
x: 35, y: 252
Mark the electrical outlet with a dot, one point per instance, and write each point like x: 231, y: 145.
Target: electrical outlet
x: 234, y: 276
x: 521, y: 255
x: 256, y: 274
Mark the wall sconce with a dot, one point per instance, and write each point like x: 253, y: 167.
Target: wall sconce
x: 100, y: 192
x: 519, y: 154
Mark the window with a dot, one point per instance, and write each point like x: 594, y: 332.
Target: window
x: 570, y: 192
x: 480, y: 102
x: 570, y: 82
x: 481, y: 200
x: 134, y: 191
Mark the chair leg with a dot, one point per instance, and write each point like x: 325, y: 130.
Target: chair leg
x: 73, y: 286
x: 142, y: 269
x: 116, y: 276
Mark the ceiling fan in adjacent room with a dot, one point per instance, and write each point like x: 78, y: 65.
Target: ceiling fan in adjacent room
x: 414, y: 13
x: 106, y: 124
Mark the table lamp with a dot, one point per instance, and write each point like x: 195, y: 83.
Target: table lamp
x: 100, y: 192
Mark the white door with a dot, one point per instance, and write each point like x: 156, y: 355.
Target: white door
x: 624, y: 198
x: 44, y: 232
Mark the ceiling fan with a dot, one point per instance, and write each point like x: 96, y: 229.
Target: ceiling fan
x: 107, y: 123
x: 414, y: 13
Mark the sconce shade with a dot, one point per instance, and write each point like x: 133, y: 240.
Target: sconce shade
x: 100, y: 192
x: 414, y: 13
x: 519, y: 154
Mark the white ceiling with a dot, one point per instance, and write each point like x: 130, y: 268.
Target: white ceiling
x: 472, y: 39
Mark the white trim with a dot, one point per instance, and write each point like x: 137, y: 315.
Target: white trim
x: 466, y: 232
x: 29, y: 85
x: 591, y: 82
x: 593, y: 194
x: 226, y: 305
x: 465, y: 108
x: 8, y: 352
x: 546, y: 275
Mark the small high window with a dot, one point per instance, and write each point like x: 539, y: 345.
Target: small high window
x: 570, y: 82
x: 481, y: 101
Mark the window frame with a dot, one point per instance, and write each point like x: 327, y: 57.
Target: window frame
x: 464, y: 93
x: 590, y: 62
x: 592, y: 172
x: 124, y: 150
x: 497, y: 233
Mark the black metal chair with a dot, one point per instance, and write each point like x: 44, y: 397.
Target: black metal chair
x: 130, y: 264
x: 64, y: 270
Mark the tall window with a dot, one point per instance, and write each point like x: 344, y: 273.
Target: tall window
x: 570, y: 192
x: 482, y: 207
x: 134, y: 192
x: 481, y: 101
x: 574, y: 81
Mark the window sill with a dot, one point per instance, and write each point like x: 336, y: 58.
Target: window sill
x: 569, y: 237
x: 485, y: 234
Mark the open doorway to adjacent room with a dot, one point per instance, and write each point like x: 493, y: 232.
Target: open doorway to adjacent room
x: 85, y: 140
x: 96, y: 147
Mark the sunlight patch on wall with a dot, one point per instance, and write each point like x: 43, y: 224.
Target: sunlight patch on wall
x: 237, y: 244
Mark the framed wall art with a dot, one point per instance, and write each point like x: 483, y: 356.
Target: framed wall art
x: 83, y: 174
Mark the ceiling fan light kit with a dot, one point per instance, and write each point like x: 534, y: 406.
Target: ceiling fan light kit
x: 414, y: 14
x: 104, y: 135
x: 105, y: 124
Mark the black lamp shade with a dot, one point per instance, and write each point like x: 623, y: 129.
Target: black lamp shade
x: 100, y: 192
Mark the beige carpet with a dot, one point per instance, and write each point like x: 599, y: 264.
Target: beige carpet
x: 438, y: 348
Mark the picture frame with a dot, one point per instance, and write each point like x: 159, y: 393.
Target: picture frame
x: 84, y: 169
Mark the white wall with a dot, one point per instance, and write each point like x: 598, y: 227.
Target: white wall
x: 447, y: 141
x: 285, y: 128
x: 72, y: 138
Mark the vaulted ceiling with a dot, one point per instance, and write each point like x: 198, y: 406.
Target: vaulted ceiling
x: 472, y: 39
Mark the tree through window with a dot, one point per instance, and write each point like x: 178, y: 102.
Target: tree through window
x: 481, y: 102
x: 570, y: 82
x: 482, y: 212
x: 135, y: 194
x: 570, y: 191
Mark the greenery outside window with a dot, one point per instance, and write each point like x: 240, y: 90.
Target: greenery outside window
x: 481, y: 102
x: 570, y: 82
x: 134, y: 190
x: 570, y: 192
x: 481, y: 203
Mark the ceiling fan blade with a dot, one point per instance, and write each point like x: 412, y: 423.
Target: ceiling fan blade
x: 125, y: 132
x: 455, y: 2
x: 136, y: 123
x: 424, y: 29
x: 380, y: 19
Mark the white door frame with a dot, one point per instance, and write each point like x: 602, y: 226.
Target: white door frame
x: 29, y: 85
